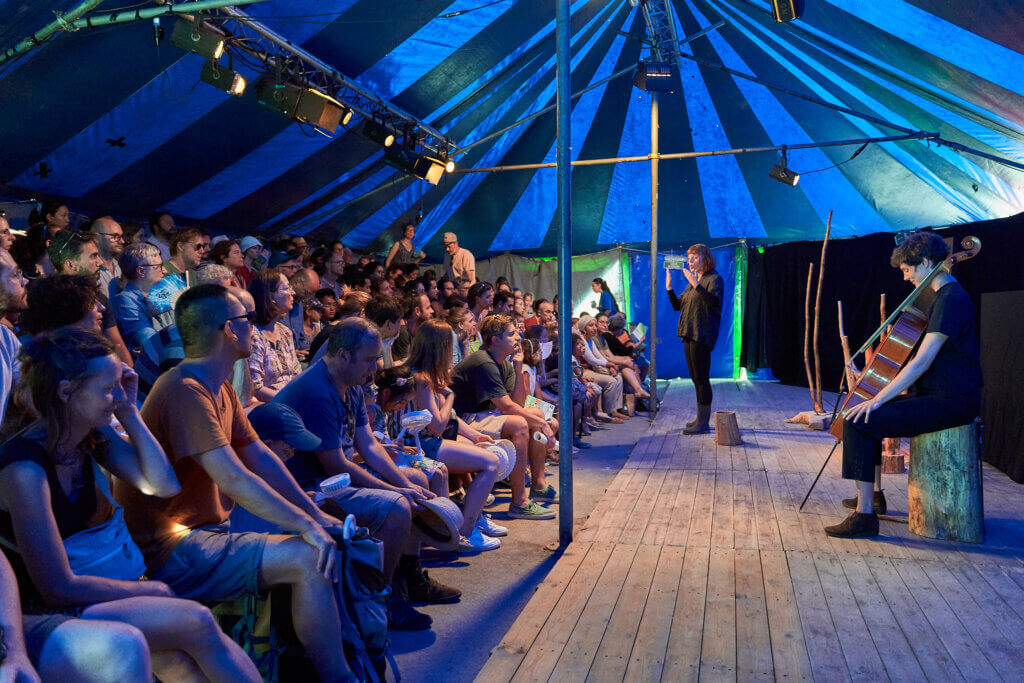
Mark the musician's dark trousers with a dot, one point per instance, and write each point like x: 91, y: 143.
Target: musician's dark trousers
x: 901, y: 417
x: 698, y: 362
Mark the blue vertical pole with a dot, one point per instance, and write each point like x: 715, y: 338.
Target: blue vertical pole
x: 565, y: 512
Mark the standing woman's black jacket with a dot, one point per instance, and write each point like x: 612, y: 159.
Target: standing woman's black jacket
x: 700, y: 309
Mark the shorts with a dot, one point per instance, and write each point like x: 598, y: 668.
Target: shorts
x: 38, y: 628
x: 489, y: 422
x: 210, y: 564
x: 371, y: 507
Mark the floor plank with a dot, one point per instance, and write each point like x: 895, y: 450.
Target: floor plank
x: 789, y: 650
x: 647, y: 661
x: 682, y: 655
x: 718, y: 648
x: 753, y: 639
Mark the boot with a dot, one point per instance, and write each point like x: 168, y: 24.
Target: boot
x: 700, y: 425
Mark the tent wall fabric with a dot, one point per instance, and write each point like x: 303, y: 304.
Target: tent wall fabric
x: 107, y: 120
x: 857, y: 272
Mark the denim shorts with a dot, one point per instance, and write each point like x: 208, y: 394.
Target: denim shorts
x: 210, y: 564
x: 38, y: 628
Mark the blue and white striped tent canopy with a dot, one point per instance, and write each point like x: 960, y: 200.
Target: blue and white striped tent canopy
x: 107, y: 119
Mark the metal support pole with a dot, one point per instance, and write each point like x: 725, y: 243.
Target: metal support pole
x: 37, y: 38
x: 652, y: 333
x: 565, y: 427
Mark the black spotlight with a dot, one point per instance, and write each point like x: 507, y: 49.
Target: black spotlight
x: 653, y: 76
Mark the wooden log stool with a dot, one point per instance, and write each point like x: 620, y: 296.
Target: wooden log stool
x: 727, y: 432
x: 944, y: 485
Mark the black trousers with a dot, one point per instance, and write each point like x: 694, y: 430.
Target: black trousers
x: 698, y: 361
x: 901, y: 417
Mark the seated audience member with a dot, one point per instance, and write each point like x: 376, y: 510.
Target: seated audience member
x: 305, y: 283
x: 161, y: 229
x: 141, y: 268
x: 252, y: 259
x: 502, y: 285
x: 462, y: 285
x: 228, y: 253
x: 273, y: 362
x: 76, y: 253
x: 311, y: 318
x: 62, y: 301
x: 489, y: 392
x: 328, y: 397
x: 528, y: 304
x: 354, y: 279
x: 416, y: 310
x: 13, y: 301
x: 381, y: 287
x: 445, y: 288
x: 503, y: 303
x: 213, y: 274
x: 582, y: 391
x: 29, y: 251
x: 352, y: 306
x: 110, y: 242
x: 55, y: 498
x: 463, y: 326
x: 131, y: 231
x: 196, y: 417
x: 288, y: 262
x: 188, y: 248
x: 328, y: 305
x: 599, y: 370
x: 374, y: 270
x: 625, y: 364
x: 480, y: 299
x: 451, y: 440
x: 241, y: 377
x: 6, y: 240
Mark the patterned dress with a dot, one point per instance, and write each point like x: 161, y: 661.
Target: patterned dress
x: 273, y: 364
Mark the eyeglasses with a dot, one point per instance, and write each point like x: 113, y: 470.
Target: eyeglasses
x: 248, y: 317
x: 152, y: 265
x: 116, y: 237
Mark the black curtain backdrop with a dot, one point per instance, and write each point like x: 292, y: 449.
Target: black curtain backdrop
x: 857, y: 272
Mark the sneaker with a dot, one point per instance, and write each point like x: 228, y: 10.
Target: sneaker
x: 476, y: 542
x: 421, y: 588
x: 489, y: 501
x: 532, y: 510
x: 857, y: 525
x: 402, y: 617
x: 580, y: 443
x: 878, y: 505
x: 487, y: 526
x: 548, y: 495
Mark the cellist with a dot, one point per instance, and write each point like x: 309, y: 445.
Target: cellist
x: 943, y: 378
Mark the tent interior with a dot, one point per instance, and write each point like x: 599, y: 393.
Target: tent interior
x: 116, y: 117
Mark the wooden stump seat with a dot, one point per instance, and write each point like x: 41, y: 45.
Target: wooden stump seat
x: 944, y: 485
x: 727, y: 432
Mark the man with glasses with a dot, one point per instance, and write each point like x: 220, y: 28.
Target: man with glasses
x: 137, y: 317
x: 76, y: 253
x: 110, y: 242
x: 189, y: 246
x: 334, y: 268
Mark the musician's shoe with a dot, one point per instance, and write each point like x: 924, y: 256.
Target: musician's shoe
x: 877, y: 503
x: 857, y: 525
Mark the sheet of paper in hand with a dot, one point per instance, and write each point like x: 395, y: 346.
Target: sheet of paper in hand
x: 675, y: 262
x: 547, y: 408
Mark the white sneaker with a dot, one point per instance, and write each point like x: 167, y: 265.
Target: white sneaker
x: 487, y: 526
x: 476, y: 542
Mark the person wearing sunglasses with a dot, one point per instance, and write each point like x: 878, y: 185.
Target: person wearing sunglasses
x: 137, y: 317
x: 110, y: 242
x: 189, y: 247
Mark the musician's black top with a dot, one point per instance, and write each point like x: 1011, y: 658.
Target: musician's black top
x: 957, y: 367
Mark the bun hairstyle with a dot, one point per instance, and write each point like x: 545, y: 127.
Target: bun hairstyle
x: 48, y: 359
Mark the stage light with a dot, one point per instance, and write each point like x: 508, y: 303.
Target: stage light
x: 653, y: 76
x: 430, y: 169
x: 223, y: 78
x: 379, y: 132
x: 304, y: 105
x: 197, y: 37
x: 783, y: 173
x: 401, y: 158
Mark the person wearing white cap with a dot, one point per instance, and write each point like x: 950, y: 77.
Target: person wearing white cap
x: 252, y: 259
x: 458, y: 262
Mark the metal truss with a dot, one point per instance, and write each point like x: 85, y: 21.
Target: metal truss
x: 661, y: 30
x: 261, y: 48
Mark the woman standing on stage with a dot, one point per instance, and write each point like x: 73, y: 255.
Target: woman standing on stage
x: 700, y: 315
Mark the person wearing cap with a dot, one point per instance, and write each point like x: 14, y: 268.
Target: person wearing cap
x: 252, y: 259
x: 458, y: 262
x: 288, y: 261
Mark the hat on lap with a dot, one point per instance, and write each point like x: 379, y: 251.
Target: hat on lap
x: 440, y: 521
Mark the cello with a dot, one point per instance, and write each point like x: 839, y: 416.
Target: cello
x: 900, y: 334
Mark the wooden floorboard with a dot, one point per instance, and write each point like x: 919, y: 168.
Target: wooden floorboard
x: 697, y: 564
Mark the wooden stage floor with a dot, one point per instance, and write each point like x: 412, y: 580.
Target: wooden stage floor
x: 695, y: 564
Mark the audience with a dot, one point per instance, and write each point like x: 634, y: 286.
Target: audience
x: 213, y: 500
x: 272, y: 362
x: 73, y: 385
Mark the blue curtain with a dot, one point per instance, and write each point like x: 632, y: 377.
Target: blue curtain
x: 671, y: 360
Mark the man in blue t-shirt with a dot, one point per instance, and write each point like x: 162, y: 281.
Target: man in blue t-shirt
x: 943, y: 378
x: 328, y: 397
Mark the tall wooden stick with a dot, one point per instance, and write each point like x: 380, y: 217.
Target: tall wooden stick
x: 807, y: 330
x: 818, y: 403
x: 851, y: 379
